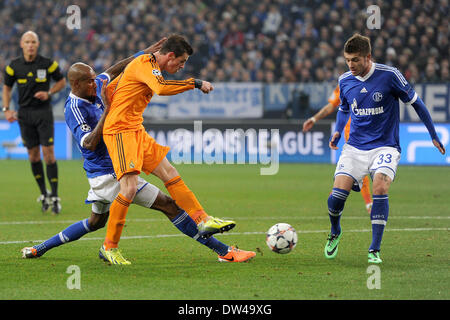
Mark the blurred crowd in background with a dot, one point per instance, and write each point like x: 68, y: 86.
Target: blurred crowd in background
x: 271, y: 41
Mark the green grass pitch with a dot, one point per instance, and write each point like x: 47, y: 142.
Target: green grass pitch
x: 170, y: 266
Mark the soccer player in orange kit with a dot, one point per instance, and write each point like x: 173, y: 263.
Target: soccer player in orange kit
x: 333, y: 103
x: 133, y: 150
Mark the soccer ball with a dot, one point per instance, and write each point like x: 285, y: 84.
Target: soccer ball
x: 281, y: 238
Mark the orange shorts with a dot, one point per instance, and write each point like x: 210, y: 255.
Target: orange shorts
x: 134, y: 151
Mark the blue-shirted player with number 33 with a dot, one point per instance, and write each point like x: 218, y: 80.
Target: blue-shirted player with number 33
x: 369, y: 95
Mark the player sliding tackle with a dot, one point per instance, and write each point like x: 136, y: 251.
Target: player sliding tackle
x: 133, y: 150
x: 86, y: 109
x: 369, y: 94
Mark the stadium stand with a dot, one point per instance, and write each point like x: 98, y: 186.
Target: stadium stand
x: 238, y: 40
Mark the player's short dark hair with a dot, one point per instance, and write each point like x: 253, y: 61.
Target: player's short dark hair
x: 176, y: 44
x: 358, y: 44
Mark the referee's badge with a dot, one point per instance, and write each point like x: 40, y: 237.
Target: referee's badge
x: 41, y: 74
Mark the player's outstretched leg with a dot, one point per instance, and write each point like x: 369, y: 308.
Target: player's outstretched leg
x: 183, y: 222
x: 237, y: 255
x: 71, y: 233
x: 214, y: 225
x: 186, y: 199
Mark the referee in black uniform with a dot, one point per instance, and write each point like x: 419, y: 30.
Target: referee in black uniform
x: 33, y: 73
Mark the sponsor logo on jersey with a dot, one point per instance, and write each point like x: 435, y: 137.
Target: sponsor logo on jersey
x: 365, y: 111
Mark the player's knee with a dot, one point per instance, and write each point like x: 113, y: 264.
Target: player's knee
x: 166, y: 205
x: 380, y: 189
x: 97, y: 221
x: 381, y: 184
x: 128, y: 190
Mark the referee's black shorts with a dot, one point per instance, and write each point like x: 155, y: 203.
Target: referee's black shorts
x: 36, y: 126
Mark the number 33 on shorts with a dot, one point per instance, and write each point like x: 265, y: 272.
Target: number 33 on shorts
x: 385, y: 160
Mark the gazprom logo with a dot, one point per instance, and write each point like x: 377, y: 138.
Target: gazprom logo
x: 366, y: 111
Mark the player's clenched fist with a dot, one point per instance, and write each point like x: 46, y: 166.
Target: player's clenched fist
x: 206, y: 87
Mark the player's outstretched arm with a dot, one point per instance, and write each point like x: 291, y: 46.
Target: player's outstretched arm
x: 322, y: 113
x: 94, y: 137
x: 204, y: 86
x: 117, y: 69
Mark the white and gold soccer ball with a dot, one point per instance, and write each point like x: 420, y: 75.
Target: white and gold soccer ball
x: 281, y: 238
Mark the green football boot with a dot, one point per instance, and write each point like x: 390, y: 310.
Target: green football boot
x: 331, y: 248
x: 374, y: 257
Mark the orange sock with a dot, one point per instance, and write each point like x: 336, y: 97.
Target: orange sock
x: 117, y: 214
x: 186, y: 199
x: 365, y: 190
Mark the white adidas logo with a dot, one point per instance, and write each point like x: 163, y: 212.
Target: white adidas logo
x: 363, y: 90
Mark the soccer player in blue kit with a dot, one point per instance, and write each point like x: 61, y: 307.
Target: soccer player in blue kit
x: 369, y: 95
x: 86, y: 109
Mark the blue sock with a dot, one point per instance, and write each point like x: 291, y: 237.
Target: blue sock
x: 185, y: 224
x: 336, y: 202
x: 378, y: 216
x: 71, y: 233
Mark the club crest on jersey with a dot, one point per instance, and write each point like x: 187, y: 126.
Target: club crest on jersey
x: 377, y: 96
x: 156, y: 72
x: 365, y: 111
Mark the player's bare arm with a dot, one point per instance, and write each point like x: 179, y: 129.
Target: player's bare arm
x: 93, y: 139
x: 322, y: 113
x: 117, y: 69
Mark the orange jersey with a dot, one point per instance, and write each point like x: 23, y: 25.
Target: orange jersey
x: 133, y: 89
x: 335, y: 102
x: 334, y: 98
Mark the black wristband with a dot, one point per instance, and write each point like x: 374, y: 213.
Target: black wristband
x: 198, y: 83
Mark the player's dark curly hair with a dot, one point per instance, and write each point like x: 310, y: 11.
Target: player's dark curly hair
x: 358, y: 44
x: 176, y: 44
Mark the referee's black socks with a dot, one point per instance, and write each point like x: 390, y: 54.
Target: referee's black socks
x: 38, y: 173
x: 52, y: 176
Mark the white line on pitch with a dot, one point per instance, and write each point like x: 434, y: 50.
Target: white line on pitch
x: 240, y: 218
x: 229, y: 234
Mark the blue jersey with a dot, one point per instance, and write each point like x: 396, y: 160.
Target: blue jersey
x: 373, y: 104
x: 81, y: 117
